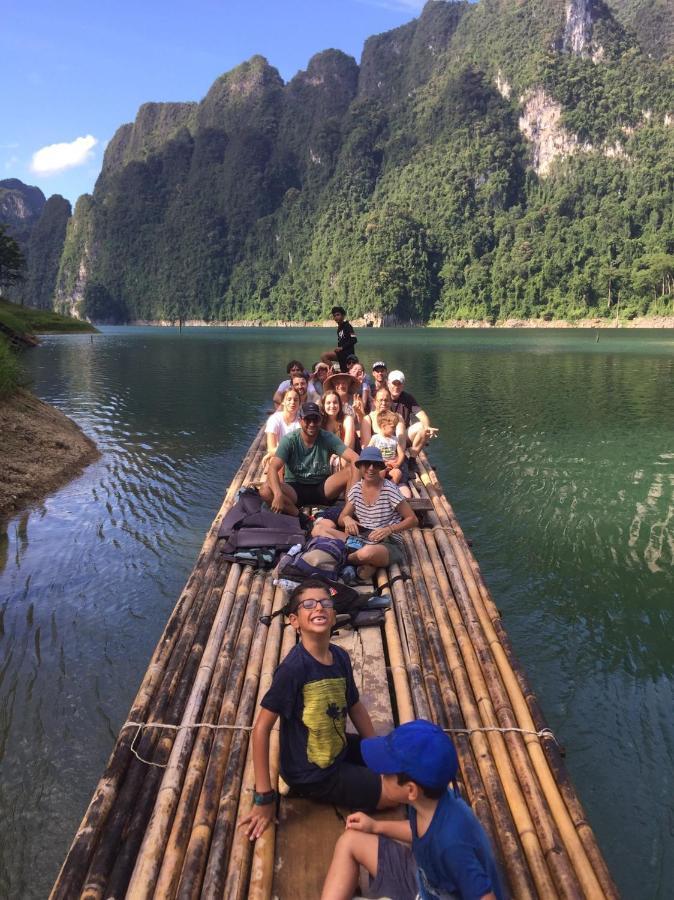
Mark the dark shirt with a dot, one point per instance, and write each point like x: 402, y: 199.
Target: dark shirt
x: 308, y: 465
x: 312, y: 701
x: 346, y: 337
x: 454, y: 857
x: 406, y: 406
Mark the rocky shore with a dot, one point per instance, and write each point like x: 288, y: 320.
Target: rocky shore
x: 41, y: 450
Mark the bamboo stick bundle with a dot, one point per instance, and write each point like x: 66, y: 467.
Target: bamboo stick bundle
x: 77, y: 861
x: 193, y: 859
x: 113, y: 861
x: 408, y: 643
x: 498, y: 815
x: 538, y: 836
x: 149, y: 858
x: 471, y: 776
x: 237, y: 588
x: 263, y: 855
x: 225, y: 826
x: 455, y: 554
x: 556, y: 762
x: 401, y: 686
x: 239, y: 868
x: 549, y: 745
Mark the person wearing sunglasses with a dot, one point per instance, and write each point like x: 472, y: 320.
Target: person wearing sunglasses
x: 312, y: 692
x: 299, y: 473
x: 375, y: 510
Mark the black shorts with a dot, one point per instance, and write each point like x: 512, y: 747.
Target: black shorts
x: 310, y: 494
x: 342, y: 355
x: 351, y: 784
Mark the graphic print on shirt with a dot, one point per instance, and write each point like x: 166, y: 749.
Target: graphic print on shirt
x: 325, y: 718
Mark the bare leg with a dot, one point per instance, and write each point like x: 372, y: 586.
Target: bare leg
x: 352, y: 850
x: 376, y: 555
x: 289, y: 498
x: 325, y: 528
x: 340, y: 482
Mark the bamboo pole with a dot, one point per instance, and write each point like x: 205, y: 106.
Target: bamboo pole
x: 401, y: 686
x: 537, y: 833
x: 451, y: 549
x: 236, y: 589
x: 203, y: 823
x: 260, y: 887
x: 225, y: 826
x: 505, y: 833
x: 239, y: 868
x: 115, y: 856
x: 73, y: 871
x: 149, y: 859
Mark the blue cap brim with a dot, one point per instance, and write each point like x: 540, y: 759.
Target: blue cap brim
x: 377, y: 754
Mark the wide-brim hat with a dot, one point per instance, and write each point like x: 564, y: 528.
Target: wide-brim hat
x: 329, y: 383
x: 370, y: 455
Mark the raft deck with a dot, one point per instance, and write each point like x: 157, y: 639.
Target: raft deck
x: 162, y: 821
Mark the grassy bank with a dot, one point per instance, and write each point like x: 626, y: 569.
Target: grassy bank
x: 25, y: 320
x: 9, y: 369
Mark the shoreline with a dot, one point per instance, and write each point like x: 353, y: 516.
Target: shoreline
x: 639, y: 322
x: 41, y: 451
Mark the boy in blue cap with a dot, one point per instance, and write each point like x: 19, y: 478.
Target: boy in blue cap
x: 450, y: 855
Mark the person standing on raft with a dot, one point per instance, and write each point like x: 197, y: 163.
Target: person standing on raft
x: 346, y: 340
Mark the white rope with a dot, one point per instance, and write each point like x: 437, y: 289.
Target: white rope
x: 140, y: 725
x: 544, y: 732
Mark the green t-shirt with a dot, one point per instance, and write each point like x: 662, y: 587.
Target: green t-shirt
x: 308, y: 465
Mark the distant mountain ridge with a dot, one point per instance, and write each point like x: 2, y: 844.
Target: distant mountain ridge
x: 503, y: 158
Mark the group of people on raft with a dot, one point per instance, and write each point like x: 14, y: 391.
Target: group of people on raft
x: 440, y: 850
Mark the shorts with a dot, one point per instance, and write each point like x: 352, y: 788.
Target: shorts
x: 342, y: 355
x: 309, y: 494
x: 396, y: 872
x: 351, y: 784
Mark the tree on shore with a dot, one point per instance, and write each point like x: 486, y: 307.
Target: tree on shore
x: 12, y: 262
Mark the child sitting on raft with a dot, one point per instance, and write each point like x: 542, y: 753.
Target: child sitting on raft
x: 441, y: 850
x: 391, y: 450
x: 312, y: 692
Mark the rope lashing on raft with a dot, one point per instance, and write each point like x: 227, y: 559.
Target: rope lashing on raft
x: 139, y: 726
x: 543, y: 733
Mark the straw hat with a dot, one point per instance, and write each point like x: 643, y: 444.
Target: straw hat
x: 329, y: 383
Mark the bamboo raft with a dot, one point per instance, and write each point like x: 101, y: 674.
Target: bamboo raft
x: 162, y: 821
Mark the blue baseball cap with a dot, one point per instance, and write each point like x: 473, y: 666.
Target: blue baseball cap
x: 420, y: 749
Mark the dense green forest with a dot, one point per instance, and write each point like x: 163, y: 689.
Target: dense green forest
x: 508, y: 158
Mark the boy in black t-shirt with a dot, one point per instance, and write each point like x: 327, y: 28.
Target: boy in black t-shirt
x: 312, y: 692
x: 346, y: 340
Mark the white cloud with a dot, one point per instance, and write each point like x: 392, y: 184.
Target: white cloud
x: 59, y: 157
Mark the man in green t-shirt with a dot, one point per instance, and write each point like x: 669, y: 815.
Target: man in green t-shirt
x: 304, y: 455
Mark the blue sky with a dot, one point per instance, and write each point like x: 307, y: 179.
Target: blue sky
x: 75, y: 70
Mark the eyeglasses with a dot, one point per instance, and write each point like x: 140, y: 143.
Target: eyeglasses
x: 310, y: 419
x: 312, y: 603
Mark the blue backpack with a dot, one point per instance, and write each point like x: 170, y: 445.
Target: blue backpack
x: 321, y: 557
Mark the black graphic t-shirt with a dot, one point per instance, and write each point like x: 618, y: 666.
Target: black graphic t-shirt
x: 346, y: 336
x: 312, y: 700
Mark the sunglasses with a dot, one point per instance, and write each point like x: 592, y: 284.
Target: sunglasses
x: 312, y: 419
x: 371, y: 465
x: 312, y: 603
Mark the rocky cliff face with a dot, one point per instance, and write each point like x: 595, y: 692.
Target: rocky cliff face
x: 578, y: 29
x: 20, y: 208
x: 382, y: 186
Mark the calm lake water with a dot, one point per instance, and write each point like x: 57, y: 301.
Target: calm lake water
x: 556, y: 451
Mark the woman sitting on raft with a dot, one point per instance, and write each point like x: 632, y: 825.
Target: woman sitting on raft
x: 282, y: 422
x: 375, y: 510
x: 336, y: 420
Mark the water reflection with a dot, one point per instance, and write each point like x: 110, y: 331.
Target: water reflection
x: 557, y: 453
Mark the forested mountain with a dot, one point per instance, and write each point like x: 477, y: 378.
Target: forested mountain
x: 503, y: 158
x: 39, y: 227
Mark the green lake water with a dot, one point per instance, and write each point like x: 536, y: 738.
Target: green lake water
x: 557, y: 452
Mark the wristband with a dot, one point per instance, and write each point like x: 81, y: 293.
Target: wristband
x: 263, y: 799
